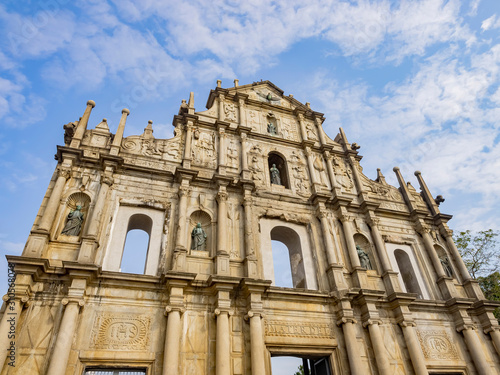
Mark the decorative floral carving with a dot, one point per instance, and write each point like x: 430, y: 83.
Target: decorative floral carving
x: 229, y: 112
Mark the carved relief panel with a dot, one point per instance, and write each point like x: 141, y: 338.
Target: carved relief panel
x: 437, y: 344
x: 122, y: 331
x: 203, y: 152
x: 343, y: 174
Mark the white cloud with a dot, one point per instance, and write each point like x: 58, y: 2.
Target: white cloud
x: 490, y: 23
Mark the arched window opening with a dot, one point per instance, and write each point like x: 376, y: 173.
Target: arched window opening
x: 286, y: 248
x: 136, y: 248
x: 407, y: 273
x: 278, y: 170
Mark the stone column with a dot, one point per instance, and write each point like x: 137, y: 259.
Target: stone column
x: 349, y: 239
x: 65, y: 336
x: 222, y: 265
x: 310, y: 164
x: 351, y: 344
x: 330, y: 247
x: 321, y: 134
x: 55, y: 197
x: 459, y: 262
x: 222, y: 344
x: 475, y: 349
x: 378, y: 346
x: 8, y: 324
x: 186, y: 161
x: 355, y: 173
x: 429, y: 246
x: 181, y: 243
x: 250, y: 258
x: 95, y: 220
x: 379, y: 244
x: 414, y: 349
x: 331, y: 174
x: 494, y: 334
x: 172, y: 341
x: 244, y: 159
x: 256, y: 344
x: 302, y: 126
x: 82, y: 125
x: 222, y: 150
x: 117, y: 140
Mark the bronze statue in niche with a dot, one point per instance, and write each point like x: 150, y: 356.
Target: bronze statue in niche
x: 364, y: 259
x: 198, y: 238
x: 74, y: 222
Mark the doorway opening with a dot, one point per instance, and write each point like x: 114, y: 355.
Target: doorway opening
x: 304, y: 365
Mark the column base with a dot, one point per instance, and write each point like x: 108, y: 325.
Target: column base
x: 336, y: 279
x: 222, y: 264
x: 473, y: 289
x: 87, y: 250
x: 447, y: 287
x: 360, y: 278
x: 251, y: 268
x: 391, y: 282
x: 179, y: 263
x: 36, y: 245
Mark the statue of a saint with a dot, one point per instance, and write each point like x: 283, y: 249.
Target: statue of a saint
x: 74, y: 222
x: 271, y: 129
x: 363, y: 258
x: 275, y: 175
x: 198, y: 238
x: 445, y: 262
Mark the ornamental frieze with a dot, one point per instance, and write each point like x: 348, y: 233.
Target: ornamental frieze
x: 296, y: 329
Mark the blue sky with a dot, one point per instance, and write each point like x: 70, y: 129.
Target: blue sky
x: 415, y: 83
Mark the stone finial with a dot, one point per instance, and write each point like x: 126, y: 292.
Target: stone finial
x: 91, y: 103
x: 236, y: 82
x: 308, y: 105
x: 219, y: 83
x: 126, y: 110
x: 380, y: 177
x: 191, y: 100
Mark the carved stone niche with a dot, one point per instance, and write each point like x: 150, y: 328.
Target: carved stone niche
x: 205, y: 220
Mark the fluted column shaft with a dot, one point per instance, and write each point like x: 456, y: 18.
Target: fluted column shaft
x: 53, y: 203
x: 257, y: 345
x: 476, y: 351
x: 247, y: 205
x: 414, y: 349
x: 187, y: 151
x: 8, y: 324
x: 244, y: 160
x: 379, y: 348
x: 62, y: 348
x: 222, y: 349
x: 172, y: 343
x: 222, y: 147
x: 352, y: 348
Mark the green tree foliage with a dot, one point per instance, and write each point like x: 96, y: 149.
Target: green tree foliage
x: 479, y: 251
x: 300, y: 370
x: 481, y: 255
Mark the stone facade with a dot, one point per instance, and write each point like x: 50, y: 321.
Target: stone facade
x: 378, y: 284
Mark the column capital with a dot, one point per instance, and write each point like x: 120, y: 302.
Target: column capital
x: 67, y: 301
x: 346, y: 319
x: 180, y: 308
x: 422, y: 228
x: 108, y: 179
x: 64, y: 172
x: 327, y: 155
x: 407, y: 323
x: 447, y: 232
x: 369, y: 322
x: 222, y: 196
x: 466, y: 326
x: 346, y: 217
x: 219, y: 311
x: 184, y: 191
x: 372, y: 219
x: 252, y: 313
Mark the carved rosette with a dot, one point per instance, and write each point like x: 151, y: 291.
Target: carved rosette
x: 120, y: 332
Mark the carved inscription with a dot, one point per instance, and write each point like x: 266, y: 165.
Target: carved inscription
x: 120, y: 331
x: 437, y: 345
x: 293, y: 329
